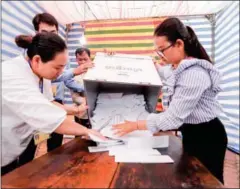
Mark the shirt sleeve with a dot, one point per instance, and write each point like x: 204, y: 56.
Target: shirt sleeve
x: 22, y: 95
x: 188, y: 91
x: 66, y: 75
x: 73, y: 85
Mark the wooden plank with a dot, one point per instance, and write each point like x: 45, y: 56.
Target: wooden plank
x: 95, y: 170
x: 45, y: 171
x: 185, y: 172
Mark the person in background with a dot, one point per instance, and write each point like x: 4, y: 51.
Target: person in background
x: 44, y: 23
x: 27, y: 102
x: 192, y: 104
x: 82, y: 56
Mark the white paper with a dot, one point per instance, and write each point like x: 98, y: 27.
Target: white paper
x: 93, y: 149
x: 149, y: 142
x: 143, y: 159
x: 97, y: 139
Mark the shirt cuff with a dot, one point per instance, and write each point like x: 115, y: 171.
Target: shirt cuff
x: 151, y: 123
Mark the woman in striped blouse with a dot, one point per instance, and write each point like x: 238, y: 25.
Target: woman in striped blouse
x: 191, y: 93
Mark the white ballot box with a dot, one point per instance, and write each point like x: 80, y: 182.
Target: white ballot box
x: 122, y: 73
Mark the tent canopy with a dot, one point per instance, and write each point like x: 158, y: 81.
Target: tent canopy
x: 74, y: 11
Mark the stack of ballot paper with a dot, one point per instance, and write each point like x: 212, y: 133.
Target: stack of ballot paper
x: 115, y: 108
x: 128, y: 153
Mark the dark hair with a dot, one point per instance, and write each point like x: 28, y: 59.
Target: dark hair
x: 81, y: 50
x: 45, y: 18
x: 46, y: 45
x: 174, y: 29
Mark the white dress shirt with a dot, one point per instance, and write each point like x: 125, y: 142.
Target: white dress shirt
x: 25, y: 110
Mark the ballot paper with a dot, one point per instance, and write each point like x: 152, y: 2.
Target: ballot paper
x: 143, y: 159
x: 148, y: 142
x: 116, y: 108
x: 99, y: 140
x: 120, y: 150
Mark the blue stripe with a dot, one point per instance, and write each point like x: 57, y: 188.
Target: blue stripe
x: 61, y: 33
x: 9, y: 34
x: 229, y: 62
x: 196, y: 30
x: 35, y: 3
x: 205, y: 42
x: 72, y: 60
x: 229, y: 80
x: 77, y: 30
x: 21, y: 30
x: 26, y: 24
x: 236, y: 116
x: 10, y: 44
x: 22, y: 12
x: 226, y: 27
x: 72, y: 54
x: 225, y: 12
x: 229, y: 89
x: 228, y: 47
x: 235, y: 51
x: 231, y: 71
x: 75, y: 36
x: 224, y: 40
x: 187, y: 23
x: 228, y: 98
x: 74, y: 48
x: 74, y: 42
x: 9, y: 54
x: 33, y: 12
x: 230, y: 106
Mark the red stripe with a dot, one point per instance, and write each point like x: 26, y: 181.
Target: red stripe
x: 130, y: 23
x: 119, y: 38
x: 130, y: 52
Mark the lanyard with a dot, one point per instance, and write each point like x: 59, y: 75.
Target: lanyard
x: 40, y: 81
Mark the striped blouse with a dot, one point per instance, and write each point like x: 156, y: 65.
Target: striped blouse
x: 190, y: 93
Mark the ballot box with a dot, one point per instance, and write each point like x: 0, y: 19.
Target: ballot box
x: 122, y: 73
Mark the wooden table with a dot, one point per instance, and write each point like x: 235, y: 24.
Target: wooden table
x: 72, y: 166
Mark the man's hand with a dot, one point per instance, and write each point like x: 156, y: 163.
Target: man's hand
x: 83, y: 68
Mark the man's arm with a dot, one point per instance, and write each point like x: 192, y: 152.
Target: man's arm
x: 73, y: 85
x: 66, y: 75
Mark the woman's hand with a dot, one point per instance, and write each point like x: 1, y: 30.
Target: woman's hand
x: 124, y: 128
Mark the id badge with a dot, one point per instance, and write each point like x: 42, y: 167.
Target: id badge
x: 40, y: 137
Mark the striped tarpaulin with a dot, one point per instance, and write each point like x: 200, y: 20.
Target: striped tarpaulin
x: 122, y: 36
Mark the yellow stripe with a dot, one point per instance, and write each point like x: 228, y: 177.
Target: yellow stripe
x: 123, y: 21
x: 125, y: 49
x: 119, y: 28
x: 120, y: 34
x: 120, y: 41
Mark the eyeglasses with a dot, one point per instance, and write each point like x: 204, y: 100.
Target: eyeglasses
x: 160, y: 52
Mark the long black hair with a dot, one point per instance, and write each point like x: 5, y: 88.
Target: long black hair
x: 174, y: 29
x: 46, y: 45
